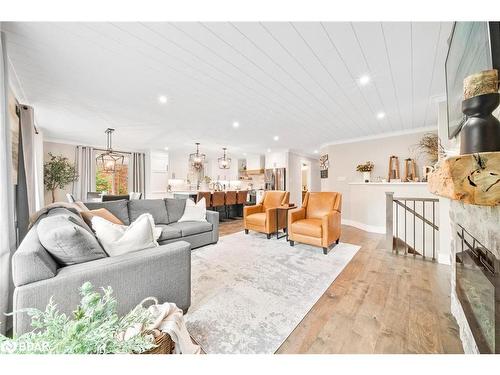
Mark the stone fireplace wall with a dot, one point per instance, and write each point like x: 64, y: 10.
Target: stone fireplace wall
x: 484, y: 223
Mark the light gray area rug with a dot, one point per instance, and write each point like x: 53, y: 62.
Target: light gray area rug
x: 249, y: 293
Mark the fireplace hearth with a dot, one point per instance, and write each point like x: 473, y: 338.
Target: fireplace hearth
x: 478, y: 290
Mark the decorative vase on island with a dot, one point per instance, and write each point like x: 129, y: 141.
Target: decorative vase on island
x: 366, y: 176
x: 481, y: 131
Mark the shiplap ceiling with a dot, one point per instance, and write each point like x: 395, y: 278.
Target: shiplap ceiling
x: 295, y: 80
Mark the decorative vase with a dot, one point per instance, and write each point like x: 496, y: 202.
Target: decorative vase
x: 481, y: 131
x: 366, y: 176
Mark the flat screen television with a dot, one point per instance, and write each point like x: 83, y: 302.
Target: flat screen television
x: 473, y: 47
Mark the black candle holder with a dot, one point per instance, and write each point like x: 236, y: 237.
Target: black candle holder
x: 481, y: 131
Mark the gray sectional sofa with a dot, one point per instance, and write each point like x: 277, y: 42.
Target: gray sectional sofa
x: 163, y: 272
x: 166, y: 213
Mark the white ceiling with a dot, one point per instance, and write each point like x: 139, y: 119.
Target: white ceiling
x: 294, y: 80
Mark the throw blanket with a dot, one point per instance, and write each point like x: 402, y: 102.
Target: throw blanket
x: 168, y: 318
x: 77, y: 206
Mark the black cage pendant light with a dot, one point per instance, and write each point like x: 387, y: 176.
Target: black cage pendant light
x: 224, y: 161
x: 197, y: 160
x: 109, y: 159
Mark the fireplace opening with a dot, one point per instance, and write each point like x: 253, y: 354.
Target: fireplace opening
x: 478, y: 290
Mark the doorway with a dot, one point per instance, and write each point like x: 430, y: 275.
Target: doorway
x: 305, y: 180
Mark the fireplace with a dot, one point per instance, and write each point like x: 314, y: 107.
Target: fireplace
x: 478, y: 290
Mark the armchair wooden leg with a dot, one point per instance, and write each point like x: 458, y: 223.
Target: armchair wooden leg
x: 246, y: 231
x: 325, y: 250
x: 292, y: 243
x: 269, y: 236
x: 338, y: 240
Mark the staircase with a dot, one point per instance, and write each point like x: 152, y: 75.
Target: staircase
x: 411, y: 225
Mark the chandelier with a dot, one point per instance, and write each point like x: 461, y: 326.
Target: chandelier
x: 197, y: 160
x: 109, y: 159
x: 224, y: 161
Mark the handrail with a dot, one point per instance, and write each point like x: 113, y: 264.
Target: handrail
x: 393, y: 226
x: 397, y: 201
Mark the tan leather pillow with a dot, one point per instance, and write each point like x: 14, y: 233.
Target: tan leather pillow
x: 101, y: 212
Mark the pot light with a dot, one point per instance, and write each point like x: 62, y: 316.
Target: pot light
x: 364, y: 80
x: 315, y: 151
x: 236, y: 124
x: 276, y: 138
x: 380, y: 115
x: 162, y: 99
x: 268, y: 150
x: 165, y: 148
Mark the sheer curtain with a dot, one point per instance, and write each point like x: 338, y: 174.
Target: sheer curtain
x: 7, y: 231
x: 85, y: 167
x: 137, y: 173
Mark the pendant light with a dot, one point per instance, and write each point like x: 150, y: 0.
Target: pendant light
x: 197, y: 160
x: 224, y: 161
x: 109, y: 159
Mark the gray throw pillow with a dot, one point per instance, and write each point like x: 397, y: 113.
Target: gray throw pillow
x: 67, y: 241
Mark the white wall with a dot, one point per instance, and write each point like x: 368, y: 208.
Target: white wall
x: 345, y: 157
x: 276, y: 160
x: 294, y: 178
x: 156, y: 174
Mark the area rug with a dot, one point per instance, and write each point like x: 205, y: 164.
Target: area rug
x: 249, y: 293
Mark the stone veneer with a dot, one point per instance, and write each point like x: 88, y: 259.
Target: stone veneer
x: 483, y: 222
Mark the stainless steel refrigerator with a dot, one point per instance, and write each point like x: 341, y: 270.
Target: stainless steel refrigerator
x: 275, y: 179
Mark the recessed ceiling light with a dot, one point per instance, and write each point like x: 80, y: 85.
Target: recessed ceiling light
x: 236, y: 124
x: 244, y: 154
x: 315, y: 151
x: 162, y: 99
x: 364, y: 80
x: 276, y: 138
x: 380, y: 115
x: 165, y: 148
x: 268, y: 150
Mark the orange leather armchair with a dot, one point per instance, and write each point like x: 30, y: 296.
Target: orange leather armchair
x: 262, y: 217
x: 317, y: 222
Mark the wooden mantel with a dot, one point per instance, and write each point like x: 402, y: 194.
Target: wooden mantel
x: 472, y: 179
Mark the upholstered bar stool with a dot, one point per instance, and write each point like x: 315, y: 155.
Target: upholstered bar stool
x: 218, y: 200
x: 241, y: 200
x: 230, y: 202
x: 208, y: 198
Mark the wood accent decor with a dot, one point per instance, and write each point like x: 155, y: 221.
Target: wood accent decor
x: 393, y: 168
x: 410, y: 170
x: 472, y: 179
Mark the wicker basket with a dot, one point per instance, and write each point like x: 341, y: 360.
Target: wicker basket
x: 163, y: 342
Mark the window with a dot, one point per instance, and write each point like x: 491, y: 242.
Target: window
x: 112, y: 183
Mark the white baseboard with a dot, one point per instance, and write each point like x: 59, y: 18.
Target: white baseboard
x: 365, y: 227
x: 444, y: 259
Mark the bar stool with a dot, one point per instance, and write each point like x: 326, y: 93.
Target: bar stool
x: 241, y: 200
x: 208, y: 198
x: 230, y: 202
x: 218, y: 200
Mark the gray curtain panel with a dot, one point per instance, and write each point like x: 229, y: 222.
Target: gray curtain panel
x: 7, y: 229
x: 27, y: 121
x: 85, y: 167
x: 138, y: 173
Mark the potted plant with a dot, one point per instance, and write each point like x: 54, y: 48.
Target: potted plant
x: 95, y: 328
x: 366, y: 168
x: 58, y: 172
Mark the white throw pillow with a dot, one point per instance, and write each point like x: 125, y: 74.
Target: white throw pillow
x: 120, y: 239
x: 195, y: 211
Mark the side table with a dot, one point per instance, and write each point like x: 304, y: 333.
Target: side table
x: 285, y: 229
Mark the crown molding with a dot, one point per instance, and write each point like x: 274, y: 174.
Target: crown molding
x: 382, y: 135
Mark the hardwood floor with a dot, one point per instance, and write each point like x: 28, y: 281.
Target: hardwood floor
x: 380, y: 303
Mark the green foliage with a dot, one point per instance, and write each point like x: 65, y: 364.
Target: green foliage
x: 102, y: 182
x: 58, y: 172
x: 94, y: 328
